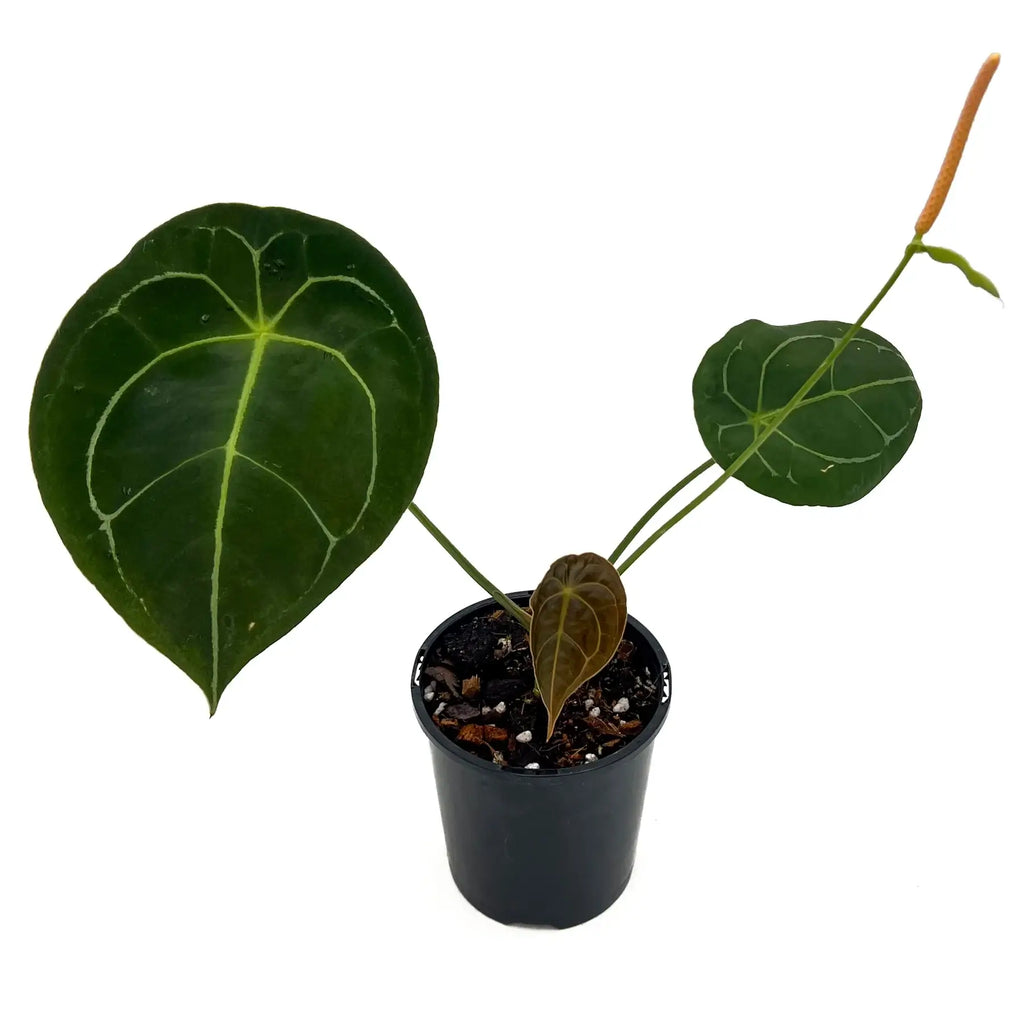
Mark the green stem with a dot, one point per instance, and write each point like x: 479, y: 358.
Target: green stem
x: 510, y: 606
x: 656, y: 507
x: 911, y: 250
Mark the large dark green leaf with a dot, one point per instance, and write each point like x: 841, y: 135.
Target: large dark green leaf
x: 228, y: 423
x: 579, y: 616
x: 852, y: 427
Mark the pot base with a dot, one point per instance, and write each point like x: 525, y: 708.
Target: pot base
x: 543, y: 848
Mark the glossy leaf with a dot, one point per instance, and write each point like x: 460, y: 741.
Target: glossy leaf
x: 228, y: 423
x: 579, y: 616
x: 839, y: 442
x: 941, y: 255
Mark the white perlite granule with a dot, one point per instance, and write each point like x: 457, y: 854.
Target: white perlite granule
x: 622, y: 704
x: 500, y: 707
x: 524, y: 737
x: 532, y: 764
x: 595, y: 712
x: 591, y: 757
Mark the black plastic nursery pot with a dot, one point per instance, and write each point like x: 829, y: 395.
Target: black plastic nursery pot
x: 548, y: 847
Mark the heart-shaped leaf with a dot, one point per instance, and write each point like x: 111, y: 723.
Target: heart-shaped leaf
x: 579, y: 616
x: 228, y: 423
x: 840, y: 440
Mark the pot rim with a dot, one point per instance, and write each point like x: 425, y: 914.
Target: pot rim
x: 454, y: 751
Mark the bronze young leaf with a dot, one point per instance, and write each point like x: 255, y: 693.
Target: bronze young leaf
x: 579, y: 616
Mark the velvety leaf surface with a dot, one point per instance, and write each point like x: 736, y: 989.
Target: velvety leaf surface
x: 842, y: 438
x: 578, y: 618
x: 228, y: 423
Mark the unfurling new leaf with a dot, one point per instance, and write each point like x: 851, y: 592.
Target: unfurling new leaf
x: 941, y: 255
x: 841, y: 438
x: 579, y: 616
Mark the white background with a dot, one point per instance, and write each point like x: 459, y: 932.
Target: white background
x: 583, y: 197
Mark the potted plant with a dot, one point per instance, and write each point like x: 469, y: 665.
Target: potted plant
x: 233, y: 418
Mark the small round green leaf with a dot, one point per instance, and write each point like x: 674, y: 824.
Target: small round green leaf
x: 839, y: 442
x: 230, y: 421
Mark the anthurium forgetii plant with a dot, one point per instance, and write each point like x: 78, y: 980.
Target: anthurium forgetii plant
x: 233, y: 418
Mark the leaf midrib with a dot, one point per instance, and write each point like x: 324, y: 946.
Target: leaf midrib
x: 263, y: 333
x: 230, y: 451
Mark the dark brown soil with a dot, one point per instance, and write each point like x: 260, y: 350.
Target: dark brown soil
x: 481, y: 675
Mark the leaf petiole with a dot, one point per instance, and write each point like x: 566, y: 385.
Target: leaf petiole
x: 656, y: 507
x: 510, y: 606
